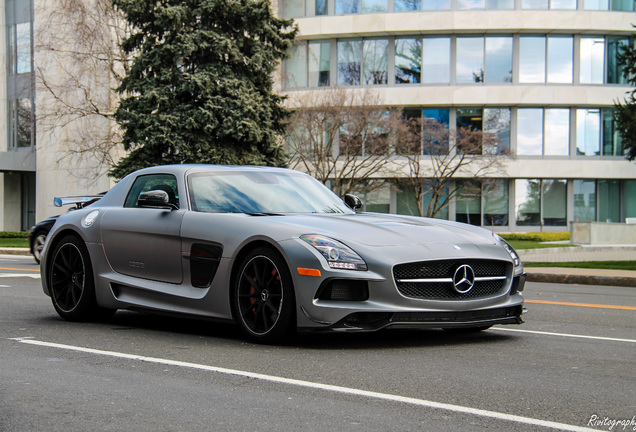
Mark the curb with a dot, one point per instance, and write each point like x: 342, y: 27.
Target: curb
x: 15, y: 251
x: 620, y: 281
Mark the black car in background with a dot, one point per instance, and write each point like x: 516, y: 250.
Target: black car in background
x: 37, y: 236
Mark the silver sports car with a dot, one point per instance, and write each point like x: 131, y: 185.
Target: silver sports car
x: 274, y: 251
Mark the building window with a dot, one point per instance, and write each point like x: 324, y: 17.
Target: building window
x: 549, y: 4
x: 495, y: 202
x: 543, y: 131
x: 296, y: 67
x: 470, y: 60
x: 319, y: 64
x: 616, y: 5
x: 540, y: 202
x: 436, y: 60
x: 374, y: 6
x: 596, y: 133
x: 584, y: 200
x: 436, y: 5
x: 322, y: 7
x: 592, y: 63
x: 347, y: 7
x: 292, y: 8
x: 615, y: 45
x: 497, y: 122
x: 498, y: 59
x: 407, y: 5
x: 375, y: 61
x: 349, y: 58
x: 21, y: 123
x: 629, y: 198
x: 609, y: 201
x: 468, y: 202
x: 408, y: 60
x: 545, y: 59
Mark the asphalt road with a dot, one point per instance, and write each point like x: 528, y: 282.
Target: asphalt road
x: 572, y: 366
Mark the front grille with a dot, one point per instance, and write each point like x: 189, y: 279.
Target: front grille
x: 433, y: 280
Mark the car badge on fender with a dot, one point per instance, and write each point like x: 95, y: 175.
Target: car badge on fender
x: 464, y: 279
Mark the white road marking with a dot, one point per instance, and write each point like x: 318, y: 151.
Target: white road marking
x: 566, y: 335
x: 13, y: 275
x: 317, y: 386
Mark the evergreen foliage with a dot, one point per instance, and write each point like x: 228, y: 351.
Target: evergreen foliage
x: 200, y: 88
x: 625, y: 114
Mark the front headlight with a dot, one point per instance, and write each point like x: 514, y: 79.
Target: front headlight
x: 338, y: 255
x: 510, y: 249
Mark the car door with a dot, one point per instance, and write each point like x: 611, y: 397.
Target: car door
x: 145, y: 242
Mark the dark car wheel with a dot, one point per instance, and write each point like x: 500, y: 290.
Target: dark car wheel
x: 264, y: 302
x: 71, y: 282
x: 38, y: 245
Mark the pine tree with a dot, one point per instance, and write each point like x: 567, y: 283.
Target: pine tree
x: 625, y: 114
x: 200, y: 89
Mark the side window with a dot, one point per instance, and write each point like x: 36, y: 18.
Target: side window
x: 164, y: 182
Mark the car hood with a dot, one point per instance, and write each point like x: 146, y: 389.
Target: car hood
x: 373, y: 229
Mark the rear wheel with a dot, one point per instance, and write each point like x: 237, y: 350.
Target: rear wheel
x: 71, y: 282
x: 264, y: 303
x: 38, y: 245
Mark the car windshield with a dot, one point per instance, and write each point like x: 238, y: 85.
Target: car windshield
x: 260, y: 192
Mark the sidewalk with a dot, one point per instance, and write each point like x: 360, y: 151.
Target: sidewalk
x: 626, y: 278
x: 548, y: 274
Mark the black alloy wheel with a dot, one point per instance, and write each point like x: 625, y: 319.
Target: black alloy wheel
x: 264, y: 297
x: 71, y: 282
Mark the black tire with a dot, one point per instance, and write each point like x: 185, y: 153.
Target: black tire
x: 263, y: 297
x: 71, y: 282
x: 38, y: 244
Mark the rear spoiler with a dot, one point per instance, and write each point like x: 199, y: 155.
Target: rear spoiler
x: 78, y: 201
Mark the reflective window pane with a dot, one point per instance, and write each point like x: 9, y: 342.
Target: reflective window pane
x: 596, y: 4
x: 609, y: 201
x: 347, y: 6
x: 374, y: 6
x: 629, y: 198
x: 530, y: 131
x: 588, y: 132
x: 560, y: 63
x: 532, y: 59
x: 321, y: 7
x: 623, y: 5
x: 435, y: 4
x: 563, y: 4
x: 592, y: 65
x: 378, y: 200
x: 471, y: 4
x: 612, y: 142
x: 319, y: 64
x: 554, y: 202
x: 23, y: 41
x: 375, y: 61
x: 498, y: 59
x: 408, y: 60
x: 470, y: 60
x: 296, y: 67
x: 349, y: 57
x: 584, y: 200
x: 405, y: 200
x: 534, y: 4
x: 497, y: 122
x: 437, y: 206
x: 500, y: 4
x: 495, y: 202
x: 557, y: 132
x: 528, y: 202
x: 468, y: 202
x: 436, y: 60
x: 614, y: 69
x: 407, y: 5
x: 292, y: 8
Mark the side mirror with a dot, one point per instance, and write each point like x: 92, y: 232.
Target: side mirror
x: 156, y: 199
x: 352, y: 201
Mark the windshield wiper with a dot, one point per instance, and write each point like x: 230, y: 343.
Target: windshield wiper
x: 263, y: 214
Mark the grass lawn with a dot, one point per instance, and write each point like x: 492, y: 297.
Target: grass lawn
x: 14, y: 242
x: 605, y: 265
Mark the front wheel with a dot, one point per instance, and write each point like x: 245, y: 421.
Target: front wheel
x: 38, y: 245
x: 263, y: 297
x: 71, y: 282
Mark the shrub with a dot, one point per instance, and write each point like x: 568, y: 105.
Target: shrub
x: 537, y: 236
x: 13, y: 234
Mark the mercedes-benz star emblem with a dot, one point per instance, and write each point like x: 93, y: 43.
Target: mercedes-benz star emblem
x: 464, y: 279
